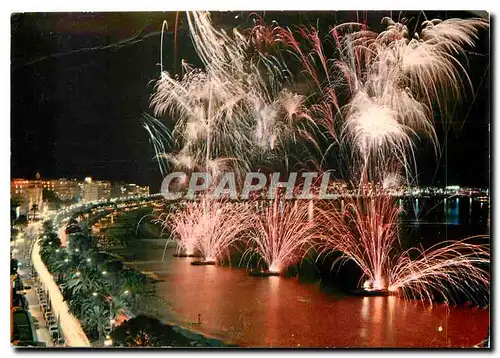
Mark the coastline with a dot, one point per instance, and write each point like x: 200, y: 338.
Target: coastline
x: 203, y: 339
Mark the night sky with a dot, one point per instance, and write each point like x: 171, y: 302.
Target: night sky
x: 81, y: 81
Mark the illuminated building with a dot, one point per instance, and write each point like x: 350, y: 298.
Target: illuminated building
x: 66, y: 189
x: 96, y: 190
x: 30, y: 193
x: 133, y: 190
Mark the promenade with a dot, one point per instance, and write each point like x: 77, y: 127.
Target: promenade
x: 21, y: 251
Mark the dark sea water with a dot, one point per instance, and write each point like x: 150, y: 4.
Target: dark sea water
x: 313, y: 308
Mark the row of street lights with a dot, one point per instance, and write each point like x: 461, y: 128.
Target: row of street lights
x: 57, y: 218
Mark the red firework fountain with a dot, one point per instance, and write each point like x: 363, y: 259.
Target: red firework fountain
x: 391, y: 80
x: 210, y: 227
x: 280, y: 235
x: 366, y: 233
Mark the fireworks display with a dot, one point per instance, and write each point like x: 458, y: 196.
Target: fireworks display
x: 394, y: 80
x: 209, y: 227
x: 364, y: 232
x: 228, y: 116
x: 367, y: 233
x: 375, y: 95
x: 281, y: 233
x: 443, y: 270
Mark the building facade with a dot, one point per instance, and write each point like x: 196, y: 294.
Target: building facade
x: 96, y: 190
x: 30, y: 195
x: 67, y: 189
x: 134, y: 190
x: 30, y: 192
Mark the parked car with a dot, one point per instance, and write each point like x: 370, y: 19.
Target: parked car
x: 22, y: 327
x: 14, y: 265
x: 19, y: 300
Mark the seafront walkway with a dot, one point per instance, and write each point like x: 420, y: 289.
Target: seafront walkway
x: 21, y: 252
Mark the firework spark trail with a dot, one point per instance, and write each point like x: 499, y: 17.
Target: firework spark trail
x: 444, y: 269
x: 281, y: 233
x: 392, y: 180
x: 159, y: 135
x: 394, y: 78
x: 403, y: 77
x: 366, y: 232
x: 209, y: 226
x: 182, y: 224
x: 232, y: 109
x: 378, y: 135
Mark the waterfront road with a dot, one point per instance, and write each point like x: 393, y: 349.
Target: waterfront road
x: 21, y: 248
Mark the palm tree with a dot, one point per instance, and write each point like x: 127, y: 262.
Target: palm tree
x: 137, y: 287
x: 49, y: 255
x: 118, y: 304
x: 51, y: 239
x: 84, y: 283
x: 58, y: 267
x: 75, y: 304
x: 144, y: 331
x: 95, y: 316
x: 80, y: 241
x: 138, y: 283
